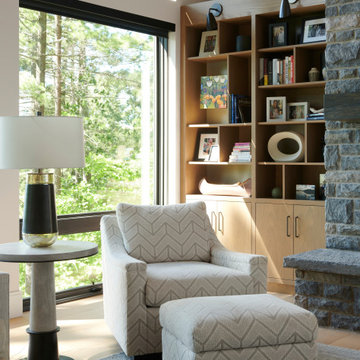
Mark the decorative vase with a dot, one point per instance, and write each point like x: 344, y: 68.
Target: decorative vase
x: 314, y: 74
x: 324, y: 73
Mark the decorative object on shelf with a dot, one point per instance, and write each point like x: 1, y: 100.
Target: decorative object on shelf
x: 214, y: 154
x: 286, y: 146
x: 322, y: 185
x: 314, y: 30
x: 316, y: 114
x: 240, y: 153
x: 305, y: 192
x: 277, y: 71
x: 242, y: 189
x: 206, y: 141
x: 297, y: 111
x: 243, y: 43
x: 314, y: 74
x: 240, y: 109
x: 278, y: 34
x: 214, y: 92
x: 215, y: 10
x: 276, y: 108
x: 40, y: 142
x: 209, y: 45
x: 276, y: 192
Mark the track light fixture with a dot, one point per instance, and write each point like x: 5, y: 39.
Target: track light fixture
x: 215, y: 10
x: 285, y: 8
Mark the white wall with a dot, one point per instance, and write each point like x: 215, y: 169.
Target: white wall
x: 9, y: 90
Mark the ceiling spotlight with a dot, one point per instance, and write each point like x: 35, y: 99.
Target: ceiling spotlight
x: 285, y: 8
x: 215, y: 10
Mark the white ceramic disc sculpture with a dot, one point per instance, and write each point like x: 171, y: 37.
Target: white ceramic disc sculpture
x: 288, y: 138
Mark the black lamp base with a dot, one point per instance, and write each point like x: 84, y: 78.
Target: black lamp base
x: 39, y: 222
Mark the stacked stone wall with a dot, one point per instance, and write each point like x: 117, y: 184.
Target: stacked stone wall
x: 342, y: 138
x: 333, y: 298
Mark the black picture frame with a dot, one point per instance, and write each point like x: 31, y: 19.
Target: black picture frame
x: 281, y: 37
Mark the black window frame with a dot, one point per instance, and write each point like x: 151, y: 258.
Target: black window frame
x: 90, y: 222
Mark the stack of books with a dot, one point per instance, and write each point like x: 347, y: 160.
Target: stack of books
x: 240, y: 153
x: 277, y: 71
x: 316, y: 114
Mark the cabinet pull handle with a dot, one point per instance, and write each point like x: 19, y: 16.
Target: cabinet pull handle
x: 297, y: 234
x: 221, y: 222
x: 213, y: 223
x: 287, y: 226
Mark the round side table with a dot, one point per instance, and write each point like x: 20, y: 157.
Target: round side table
x: 43, y: 329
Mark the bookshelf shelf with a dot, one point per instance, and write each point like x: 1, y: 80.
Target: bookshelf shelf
x: 300, y: 85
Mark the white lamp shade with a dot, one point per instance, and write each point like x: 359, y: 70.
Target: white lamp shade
x: 41, y: 142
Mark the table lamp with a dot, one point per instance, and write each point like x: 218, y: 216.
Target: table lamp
x: 40, y: 142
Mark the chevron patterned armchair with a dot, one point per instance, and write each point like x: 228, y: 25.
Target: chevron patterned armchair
x: 153, y: 254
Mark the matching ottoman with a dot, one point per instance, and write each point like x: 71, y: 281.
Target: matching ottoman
x: 256, y: 327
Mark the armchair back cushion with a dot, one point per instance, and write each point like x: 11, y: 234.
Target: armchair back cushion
x: 155, y: 233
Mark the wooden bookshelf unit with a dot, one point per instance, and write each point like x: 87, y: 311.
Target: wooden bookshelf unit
x: 275, y: 227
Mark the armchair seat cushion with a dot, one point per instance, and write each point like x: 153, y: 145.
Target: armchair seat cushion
x: 178, y: 280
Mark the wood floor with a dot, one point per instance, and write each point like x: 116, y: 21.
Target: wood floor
x: 85, y: 336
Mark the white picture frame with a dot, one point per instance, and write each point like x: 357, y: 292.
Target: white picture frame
x: 206, y: 141
x: 297, y: 111
x: 276, y: 108
x: 314, y: 30
x: 209, y: 45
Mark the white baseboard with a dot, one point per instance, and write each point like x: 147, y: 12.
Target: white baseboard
x: 16, y: 304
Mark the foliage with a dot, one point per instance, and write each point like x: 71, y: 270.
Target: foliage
x: 100, y: 79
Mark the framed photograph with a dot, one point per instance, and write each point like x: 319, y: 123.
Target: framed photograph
x: 278, y: 34
x: 297, y: 111
x: 314, y: 30
x: 276, y: 108
x: 206, y: 141
x: 209, y: 43
x: 214, y: 153
x: 305, y: 192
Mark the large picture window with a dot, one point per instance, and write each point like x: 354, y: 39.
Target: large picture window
x: 107, y: 75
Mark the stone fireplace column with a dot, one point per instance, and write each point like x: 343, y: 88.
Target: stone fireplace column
x: 342, y: 114
x: 328, y: 280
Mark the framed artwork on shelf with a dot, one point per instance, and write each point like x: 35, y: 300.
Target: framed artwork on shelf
x: 314, y: 30
x: 214, y: 153
x: 297, y: 111
x: 214, y: 92
x: 276, y: 108
x: 278, y: 34
x: 206, y: 142
x: 209, y: 43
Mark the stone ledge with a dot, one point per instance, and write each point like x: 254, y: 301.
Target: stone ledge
x: 333, y: 261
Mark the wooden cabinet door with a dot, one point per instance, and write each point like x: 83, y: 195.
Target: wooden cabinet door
x: 211, y: 210
x: 234, y: 225
x: 274, y: 237
x: 309, y: 228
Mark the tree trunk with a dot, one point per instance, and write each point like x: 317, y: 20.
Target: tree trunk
x: 41, y: 65
x: 58, y: 80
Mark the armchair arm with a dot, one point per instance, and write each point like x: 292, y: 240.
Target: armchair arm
x: 124, y: 280
x: 249, y: 264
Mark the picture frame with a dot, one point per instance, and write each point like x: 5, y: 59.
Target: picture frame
x: 276, y: 108
x: 206, y: 141
x: 214, y: 153
x: 278, y: 34
x: 209, y: 44
x: 297, y: 111
x: 314, y: 30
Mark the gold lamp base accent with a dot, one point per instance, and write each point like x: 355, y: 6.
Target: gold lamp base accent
x: 39, y: 240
